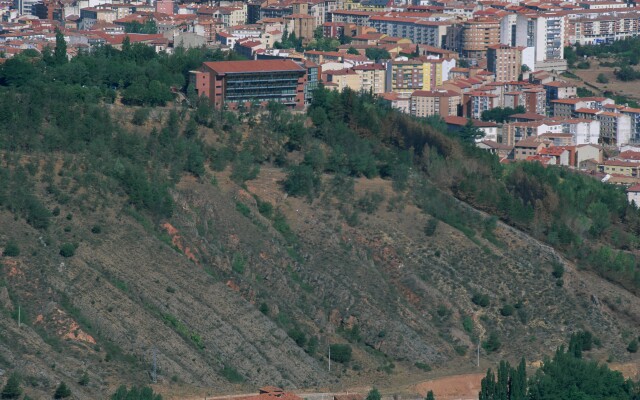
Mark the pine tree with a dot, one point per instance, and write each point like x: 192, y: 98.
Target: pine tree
x: 430, y: 395
x: 12, y: 389
x: 60, y: 52
x: 374, y: 394
x: 62, y: 391
x: 469, y: 133
x: 84, y: 379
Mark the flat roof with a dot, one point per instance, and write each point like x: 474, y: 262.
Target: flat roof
x: 239, y: 67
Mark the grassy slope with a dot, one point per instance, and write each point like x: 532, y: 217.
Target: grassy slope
x: 132, y: 289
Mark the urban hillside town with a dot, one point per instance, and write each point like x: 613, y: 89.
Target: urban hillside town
x: 320, y: 199
x: 455, y: 59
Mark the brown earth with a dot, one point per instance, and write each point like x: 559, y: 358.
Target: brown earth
x: 628, y: 89
x: 457, y: 387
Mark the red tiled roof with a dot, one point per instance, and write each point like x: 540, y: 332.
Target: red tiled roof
x: 635, y: 188
x: 552, y: 151
x: 588, y: 111
x: 434, y: 93
x: 461, y: 121
x: 369, y: 67
x: 226, y: 67
x: 529, y: 116
x: 496, y: 145
x: 618, y: 163
x: 629, y: 155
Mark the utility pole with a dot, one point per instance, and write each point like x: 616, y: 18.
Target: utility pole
x: 329, y: 357
x: 154, y: 373
x: 478, y: 361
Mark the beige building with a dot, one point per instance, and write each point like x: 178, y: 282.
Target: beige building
x: 477, y: 35
x: 372, y: 78
x: 424, y: 103
x: 505, y: 62
x: 344, y: 78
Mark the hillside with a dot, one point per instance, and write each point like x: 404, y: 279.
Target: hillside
x: 193, y: 287
x: 238, y: 247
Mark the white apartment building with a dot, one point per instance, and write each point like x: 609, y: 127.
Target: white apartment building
x: 544, y: 34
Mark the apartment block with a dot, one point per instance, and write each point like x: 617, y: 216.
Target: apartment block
x: 425, y: 103
x: 405, y: 76
x: 343, y: 79
x: 634, y: 116
x: 615, y: 128
x: 480, y: 102
x: 236, y: 82
x: 584, y: 131
x: 505, y: 62
x: 372, y: 78
x: 418, y: 30
x: 568, y: 107
x: 477, y: 35
x: 542, y: 35
x: 602, y: 26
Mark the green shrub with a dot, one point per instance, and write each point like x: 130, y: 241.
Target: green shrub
x: 84, y: 380
x: 244, y: 168
x: 62, y: 391
x: 135, y: 393
x: 583, y: 65
x: 67, y: 250
x: 423, y: 366
x: 492, y: 343
x: 96, y: 229
x: 140, y: 116
x: 507, y: 310
x: 443, y: 312
x: 602, y: 79
x: 298, y: 336
x: 370, y: 202
x: 312, y: 345
x: 633, y: 346
x: 558, y: 270
x: 374, y: 394
x: 340, y: 352
x: 238, y: 263
x: 302, y: 180
x: 231, y: 374
x: 430, y: 228
x: 265, y: 208
x: 467, y: 324
x: 243, y: 209
x: 11, y: 249
x: 481, y: 300
x: 12, y: 389
x: 460, y: 349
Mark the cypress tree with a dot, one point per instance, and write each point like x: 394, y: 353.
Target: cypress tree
x: 430, y: 395
x: 518, y: 389
x: 488, y: 387
x: 502, y: 386
x: 60, y: 52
